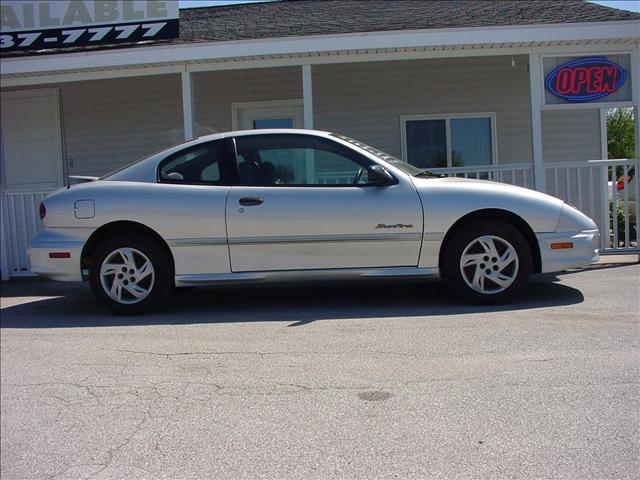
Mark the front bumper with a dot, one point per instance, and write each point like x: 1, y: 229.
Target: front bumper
x: 584, y: 251
x: 61, y: 269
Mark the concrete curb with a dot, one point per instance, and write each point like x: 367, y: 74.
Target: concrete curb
x: 609, y: 259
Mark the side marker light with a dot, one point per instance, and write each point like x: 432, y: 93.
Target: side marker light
x: 558, y: 246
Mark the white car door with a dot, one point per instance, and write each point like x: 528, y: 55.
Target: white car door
x: 304, y: 202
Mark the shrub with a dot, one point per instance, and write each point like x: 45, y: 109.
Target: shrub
x: 619, y: 216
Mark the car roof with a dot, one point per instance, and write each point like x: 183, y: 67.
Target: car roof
x: 265, y: 131
x: 145, y: 169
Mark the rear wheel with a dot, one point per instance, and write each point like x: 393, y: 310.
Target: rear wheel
x: 487, y: 261
x: 130, y: 274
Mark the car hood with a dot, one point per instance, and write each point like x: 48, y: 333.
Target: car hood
x: 449, y: 198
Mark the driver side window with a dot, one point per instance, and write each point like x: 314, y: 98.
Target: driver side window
x: 298, y: 160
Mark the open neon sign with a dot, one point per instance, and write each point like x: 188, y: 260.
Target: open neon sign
x: 585, y: 79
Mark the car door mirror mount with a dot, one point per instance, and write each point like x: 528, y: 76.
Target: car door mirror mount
x: 173, y: 176
x: 380, y: 176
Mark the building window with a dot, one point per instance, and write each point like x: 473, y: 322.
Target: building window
x: 446, y: 141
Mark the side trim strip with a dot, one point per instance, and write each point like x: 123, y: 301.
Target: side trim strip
x: 399, y: 237
x: 201, y: 242
x: 195, y: 242
x: 300, y: 275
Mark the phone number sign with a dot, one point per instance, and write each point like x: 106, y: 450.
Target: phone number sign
x: 76, y: 23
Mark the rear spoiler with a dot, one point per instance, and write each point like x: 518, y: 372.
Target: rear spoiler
x: 75, y: 179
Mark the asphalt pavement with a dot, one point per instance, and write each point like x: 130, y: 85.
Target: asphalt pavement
x: 392, y: 380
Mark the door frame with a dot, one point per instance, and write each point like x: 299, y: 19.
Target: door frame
x: 7, y: 224
x: 238, y: 107
x: 54, y: 93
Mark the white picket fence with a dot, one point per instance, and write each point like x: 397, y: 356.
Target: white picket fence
x: 623, y: 203
x: 589, y: 185
x: 20, y: 224
x: 521, y: 175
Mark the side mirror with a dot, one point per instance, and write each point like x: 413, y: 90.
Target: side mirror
x: 380, y: 176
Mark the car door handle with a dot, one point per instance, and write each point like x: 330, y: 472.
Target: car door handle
x: 249, y: 201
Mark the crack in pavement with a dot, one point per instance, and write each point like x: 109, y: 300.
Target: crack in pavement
x: 292, y: 353
x: 112, y: 451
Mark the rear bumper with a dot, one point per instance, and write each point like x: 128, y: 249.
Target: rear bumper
x: 584, y: 251
x: 61, y: 269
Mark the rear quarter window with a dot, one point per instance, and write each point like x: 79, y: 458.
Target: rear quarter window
x: 200, y: 164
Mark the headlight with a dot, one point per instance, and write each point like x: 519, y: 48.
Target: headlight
x: 572, y: 220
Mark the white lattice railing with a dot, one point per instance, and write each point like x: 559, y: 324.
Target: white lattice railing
x: 334, y: 178
x: 520, y: 175
x: 589, y: 185
x: 592, y: 187
x: 622, y: 202
x: 20, y: 224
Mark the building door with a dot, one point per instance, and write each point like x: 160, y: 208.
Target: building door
x: 31, y: 166
x: 260, y: 115
x: 31, y: 141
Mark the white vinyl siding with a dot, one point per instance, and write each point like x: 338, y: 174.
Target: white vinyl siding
x: 110, y: 123
x: 366, y: 100
x: 115, y: 122
x: 571, y: 135
x: 215, y: 92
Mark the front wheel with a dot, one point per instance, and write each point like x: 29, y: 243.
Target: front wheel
x: 487, y: 262
x: 130, y: 274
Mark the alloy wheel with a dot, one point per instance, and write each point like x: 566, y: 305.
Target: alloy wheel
x: 489, y: 264
x: 127, y: 275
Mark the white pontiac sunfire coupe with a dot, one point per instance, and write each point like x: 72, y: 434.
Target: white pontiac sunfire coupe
x: 266, y: 205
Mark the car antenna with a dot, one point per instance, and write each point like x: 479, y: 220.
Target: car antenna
x: 67, y: 178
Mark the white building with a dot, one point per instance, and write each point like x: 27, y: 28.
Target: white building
x: 458, y: 87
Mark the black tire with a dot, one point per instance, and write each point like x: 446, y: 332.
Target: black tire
x: 158, y: 283
x: 467, y: 240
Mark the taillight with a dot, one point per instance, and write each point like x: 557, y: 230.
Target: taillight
x: 43, y: 211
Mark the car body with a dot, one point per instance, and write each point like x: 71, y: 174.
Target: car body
x: 263, y: 205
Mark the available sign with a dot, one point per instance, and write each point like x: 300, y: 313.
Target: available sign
x: 585, y: 79
x: 34, y: 25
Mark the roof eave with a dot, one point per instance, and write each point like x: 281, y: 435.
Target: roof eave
x: 293, y: 47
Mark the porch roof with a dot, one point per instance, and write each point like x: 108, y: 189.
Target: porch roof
x: 296, y: 18
x: 330, y: 17
x: 334, y: 31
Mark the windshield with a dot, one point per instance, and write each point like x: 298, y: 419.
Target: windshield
x: 396, y: 162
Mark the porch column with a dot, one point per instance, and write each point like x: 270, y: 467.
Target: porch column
x: 307, y: 95
x: 187, y: 105
x: 536, y: 91
x: 307, y: 100
x: 635, y: 96
x: 5, y: 266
